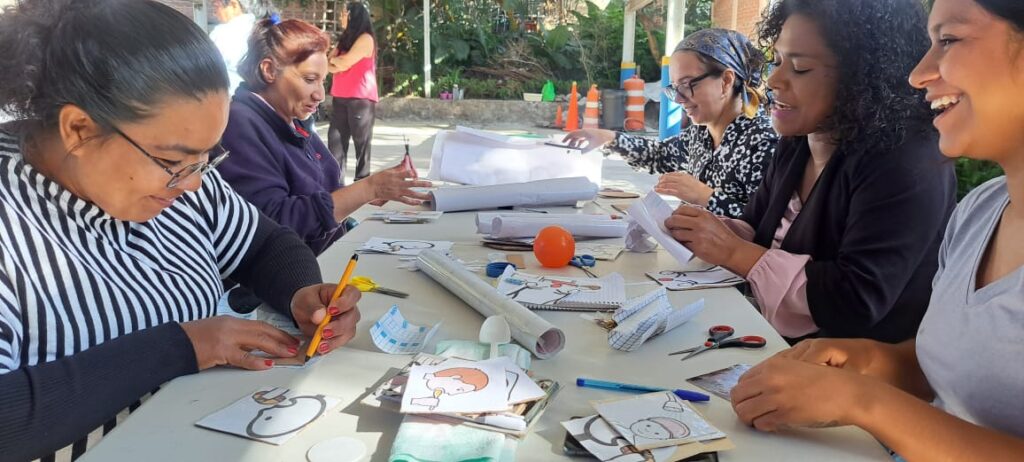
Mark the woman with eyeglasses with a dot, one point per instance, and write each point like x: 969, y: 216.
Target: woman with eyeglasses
x: 840, y: 239
x: 717, y: 161
x: 953, y: 393
x: 116, y: 232
x: 278, y: 161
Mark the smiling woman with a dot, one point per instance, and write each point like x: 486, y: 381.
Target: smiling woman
x: 115, y: 232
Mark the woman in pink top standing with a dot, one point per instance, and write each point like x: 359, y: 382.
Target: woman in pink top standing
x: 354, y: 88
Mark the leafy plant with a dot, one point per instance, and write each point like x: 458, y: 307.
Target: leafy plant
x: 971, y: 173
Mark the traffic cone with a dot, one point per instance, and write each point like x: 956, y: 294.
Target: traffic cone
x: 558, y: 118
x: 635, y: 100
x: 590, y: 111
x: 572, y: 120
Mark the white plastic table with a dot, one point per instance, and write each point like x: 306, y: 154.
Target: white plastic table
x: 163, y: 429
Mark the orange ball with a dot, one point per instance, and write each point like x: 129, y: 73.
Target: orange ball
x: 554, y: 246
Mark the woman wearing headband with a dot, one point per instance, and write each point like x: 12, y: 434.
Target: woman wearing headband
x: 719, y: 159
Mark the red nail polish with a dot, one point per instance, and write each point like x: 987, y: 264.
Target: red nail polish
x: 292, y: 350
x: 334, y: 311
x: 328, y: 333
x: 269, y: 362
x: 324, y: 348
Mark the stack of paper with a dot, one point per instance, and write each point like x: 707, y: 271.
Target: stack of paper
x: 494, y: 394
x: 563, y: 293
x: 656, y: 426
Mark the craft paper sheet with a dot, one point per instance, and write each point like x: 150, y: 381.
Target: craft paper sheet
x: 722, y: 381
x: 650, y: 213
x: 705, y: 278
x: 606, y: 444
x: 646, y: 316
x: 556, y: 191
x: 656, y: 420
x: 561, y: 292
x: 393, y: 334
x: 606, y: 252
x: 531, y: 331
x: 521, y: 388
x: 475, y: 157
x: 406, y: 247
x: 271, y: 415
x: 456, y: 386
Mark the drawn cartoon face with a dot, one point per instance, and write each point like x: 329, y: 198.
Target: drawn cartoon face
x: 287, y: 417
x: 659, y: 428
x: 450, y: 385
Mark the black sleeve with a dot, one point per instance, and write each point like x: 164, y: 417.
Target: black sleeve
x: 51, y: 405
x: 276, y: 265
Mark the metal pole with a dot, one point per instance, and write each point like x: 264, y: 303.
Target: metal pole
x: 671, y: 114
x: 628, y: 67
x: 426, y: 48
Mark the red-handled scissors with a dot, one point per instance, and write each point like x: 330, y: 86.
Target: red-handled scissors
x: 718, y: 337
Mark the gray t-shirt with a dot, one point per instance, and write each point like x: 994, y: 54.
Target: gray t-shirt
x: 971, y: 342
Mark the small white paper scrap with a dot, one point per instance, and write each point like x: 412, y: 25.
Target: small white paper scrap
x: 706, y: 278
x: 406, y: 247
x: 271, y: 415
x: 393, y: 334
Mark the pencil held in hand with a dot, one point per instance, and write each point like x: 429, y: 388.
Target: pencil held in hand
x: 319, y: 335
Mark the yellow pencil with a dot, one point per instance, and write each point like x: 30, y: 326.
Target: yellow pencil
x: 318, y: 336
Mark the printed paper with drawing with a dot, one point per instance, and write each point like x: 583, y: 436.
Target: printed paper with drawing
x: 393, y: 334
x: 607, y: 445
x: 608, y: 252
x: 722, y: 381
x: 704, y: 278
x: 563, y: 293
x: 408, y: 247
x: 456, y: 386
x: 657, y: 420
x: 271, y: 415
x: 521, y: 388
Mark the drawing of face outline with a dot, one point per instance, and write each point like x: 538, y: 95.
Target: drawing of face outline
x: 264, y: 426
x: 659, y: 428
x: 398, y: 246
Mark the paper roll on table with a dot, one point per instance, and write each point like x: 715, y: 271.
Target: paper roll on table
x: 556, y: 191
x: 529, y: 329
x: 580, y: 225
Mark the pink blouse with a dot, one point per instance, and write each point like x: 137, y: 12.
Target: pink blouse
x: 778, y: 278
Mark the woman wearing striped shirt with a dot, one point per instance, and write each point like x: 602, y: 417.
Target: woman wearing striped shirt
x: 115, y: 232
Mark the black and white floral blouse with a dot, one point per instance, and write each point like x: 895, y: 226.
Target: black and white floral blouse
x: 734, y: 170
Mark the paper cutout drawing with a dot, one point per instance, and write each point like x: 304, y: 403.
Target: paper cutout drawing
x: 551, y: 290
x: 715, y: 276
x: 454, y: 381
x: 271, y: 415
x: 657, y: 420
x: 606, y: 444
x: 406, y: 247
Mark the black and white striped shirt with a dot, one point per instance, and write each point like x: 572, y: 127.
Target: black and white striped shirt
x: 72, y: 277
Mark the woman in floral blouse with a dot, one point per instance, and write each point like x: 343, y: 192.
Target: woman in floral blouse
x: 719, y: 159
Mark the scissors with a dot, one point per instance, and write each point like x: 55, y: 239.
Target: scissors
x: 365, y: 284
x: 717, y: 336
x: 582, y: 262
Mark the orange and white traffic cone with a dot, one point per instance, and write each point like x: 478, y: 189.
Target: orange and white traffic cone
x: 572, y: 120
x: 635, y: 100
x: 558, y: 118
x: 590, y: 111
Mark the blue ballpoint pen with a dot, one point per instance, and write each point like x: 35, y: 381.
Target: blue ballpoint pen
x: 682, y: 394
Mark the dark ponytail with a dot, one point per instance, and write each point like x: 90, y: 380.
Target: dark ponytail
x: 359, y: 23
x: 1010, y: 10
x: 116, y: 59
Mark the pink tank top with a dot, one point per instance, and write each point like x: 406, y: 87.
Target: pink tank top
x: 359, y: 81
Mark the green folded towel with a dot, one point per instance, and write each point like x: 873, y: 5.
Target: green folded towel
x: 421, y: 439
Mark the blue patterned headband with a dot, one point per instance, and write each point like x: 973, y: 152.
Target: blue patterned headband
x: 730, y: 48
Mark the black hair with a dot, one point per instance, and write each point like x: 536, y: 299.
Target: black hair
x: 875, y: 107
x: 1010, y: 10
x: 359, y: 23
x: 116, y: 59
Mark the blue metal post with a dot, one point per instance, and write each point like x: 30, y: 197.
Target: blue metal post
x: 671, y: 113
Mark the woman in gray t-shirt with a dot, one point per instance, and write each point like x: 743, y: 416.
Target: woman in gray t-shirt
x: 956, y: 392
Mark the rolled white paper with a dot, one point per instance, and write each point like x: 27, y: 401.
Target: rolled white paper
x: 485, y: 219
x: 529, y: 329
x: 556, y: 191
x: 513, y: 227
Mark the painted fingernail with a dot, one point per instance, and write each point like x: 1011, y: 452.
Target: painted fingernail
x: 268, y: 362
x: 328, y: 333
x: 324, y: 348
x: 292, y: 350
x: 335, y: 311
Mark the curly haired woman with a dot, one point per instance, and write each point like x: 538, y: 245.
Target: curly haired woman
x: 841, y: 237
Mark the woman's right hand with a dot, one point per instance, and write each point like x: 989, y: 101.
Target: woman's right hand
x: 854, y: 355
x: 592, y: 138
x: 224, y: 340
x: 395, y: 184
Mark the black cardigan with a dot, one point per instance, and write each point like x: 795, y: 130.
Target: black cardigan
x: 872, y: 226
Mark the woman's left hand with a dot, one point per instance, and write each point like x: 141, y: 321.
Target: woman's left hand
x: 310, y: 305
x: 785, y: 393
x: 704, y: 234
x: 685, y: 187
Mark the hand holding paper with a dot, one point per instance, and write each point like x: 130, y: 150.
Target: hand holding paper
x: 711, y: 240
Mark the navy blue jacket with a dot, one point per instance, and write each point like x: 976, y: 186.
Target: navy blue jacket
x: 283, y: 169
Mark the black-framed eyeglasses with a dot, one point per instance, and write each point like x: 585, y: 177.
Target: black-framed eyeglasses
x: 685, y: 90
x: 216, y: 156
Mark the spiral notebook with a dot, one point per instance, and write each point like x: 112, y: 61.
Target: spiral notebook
x: 563, y: 293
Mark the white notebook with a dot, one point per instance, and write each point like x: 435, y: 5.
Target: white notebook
x: 563, y: 293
